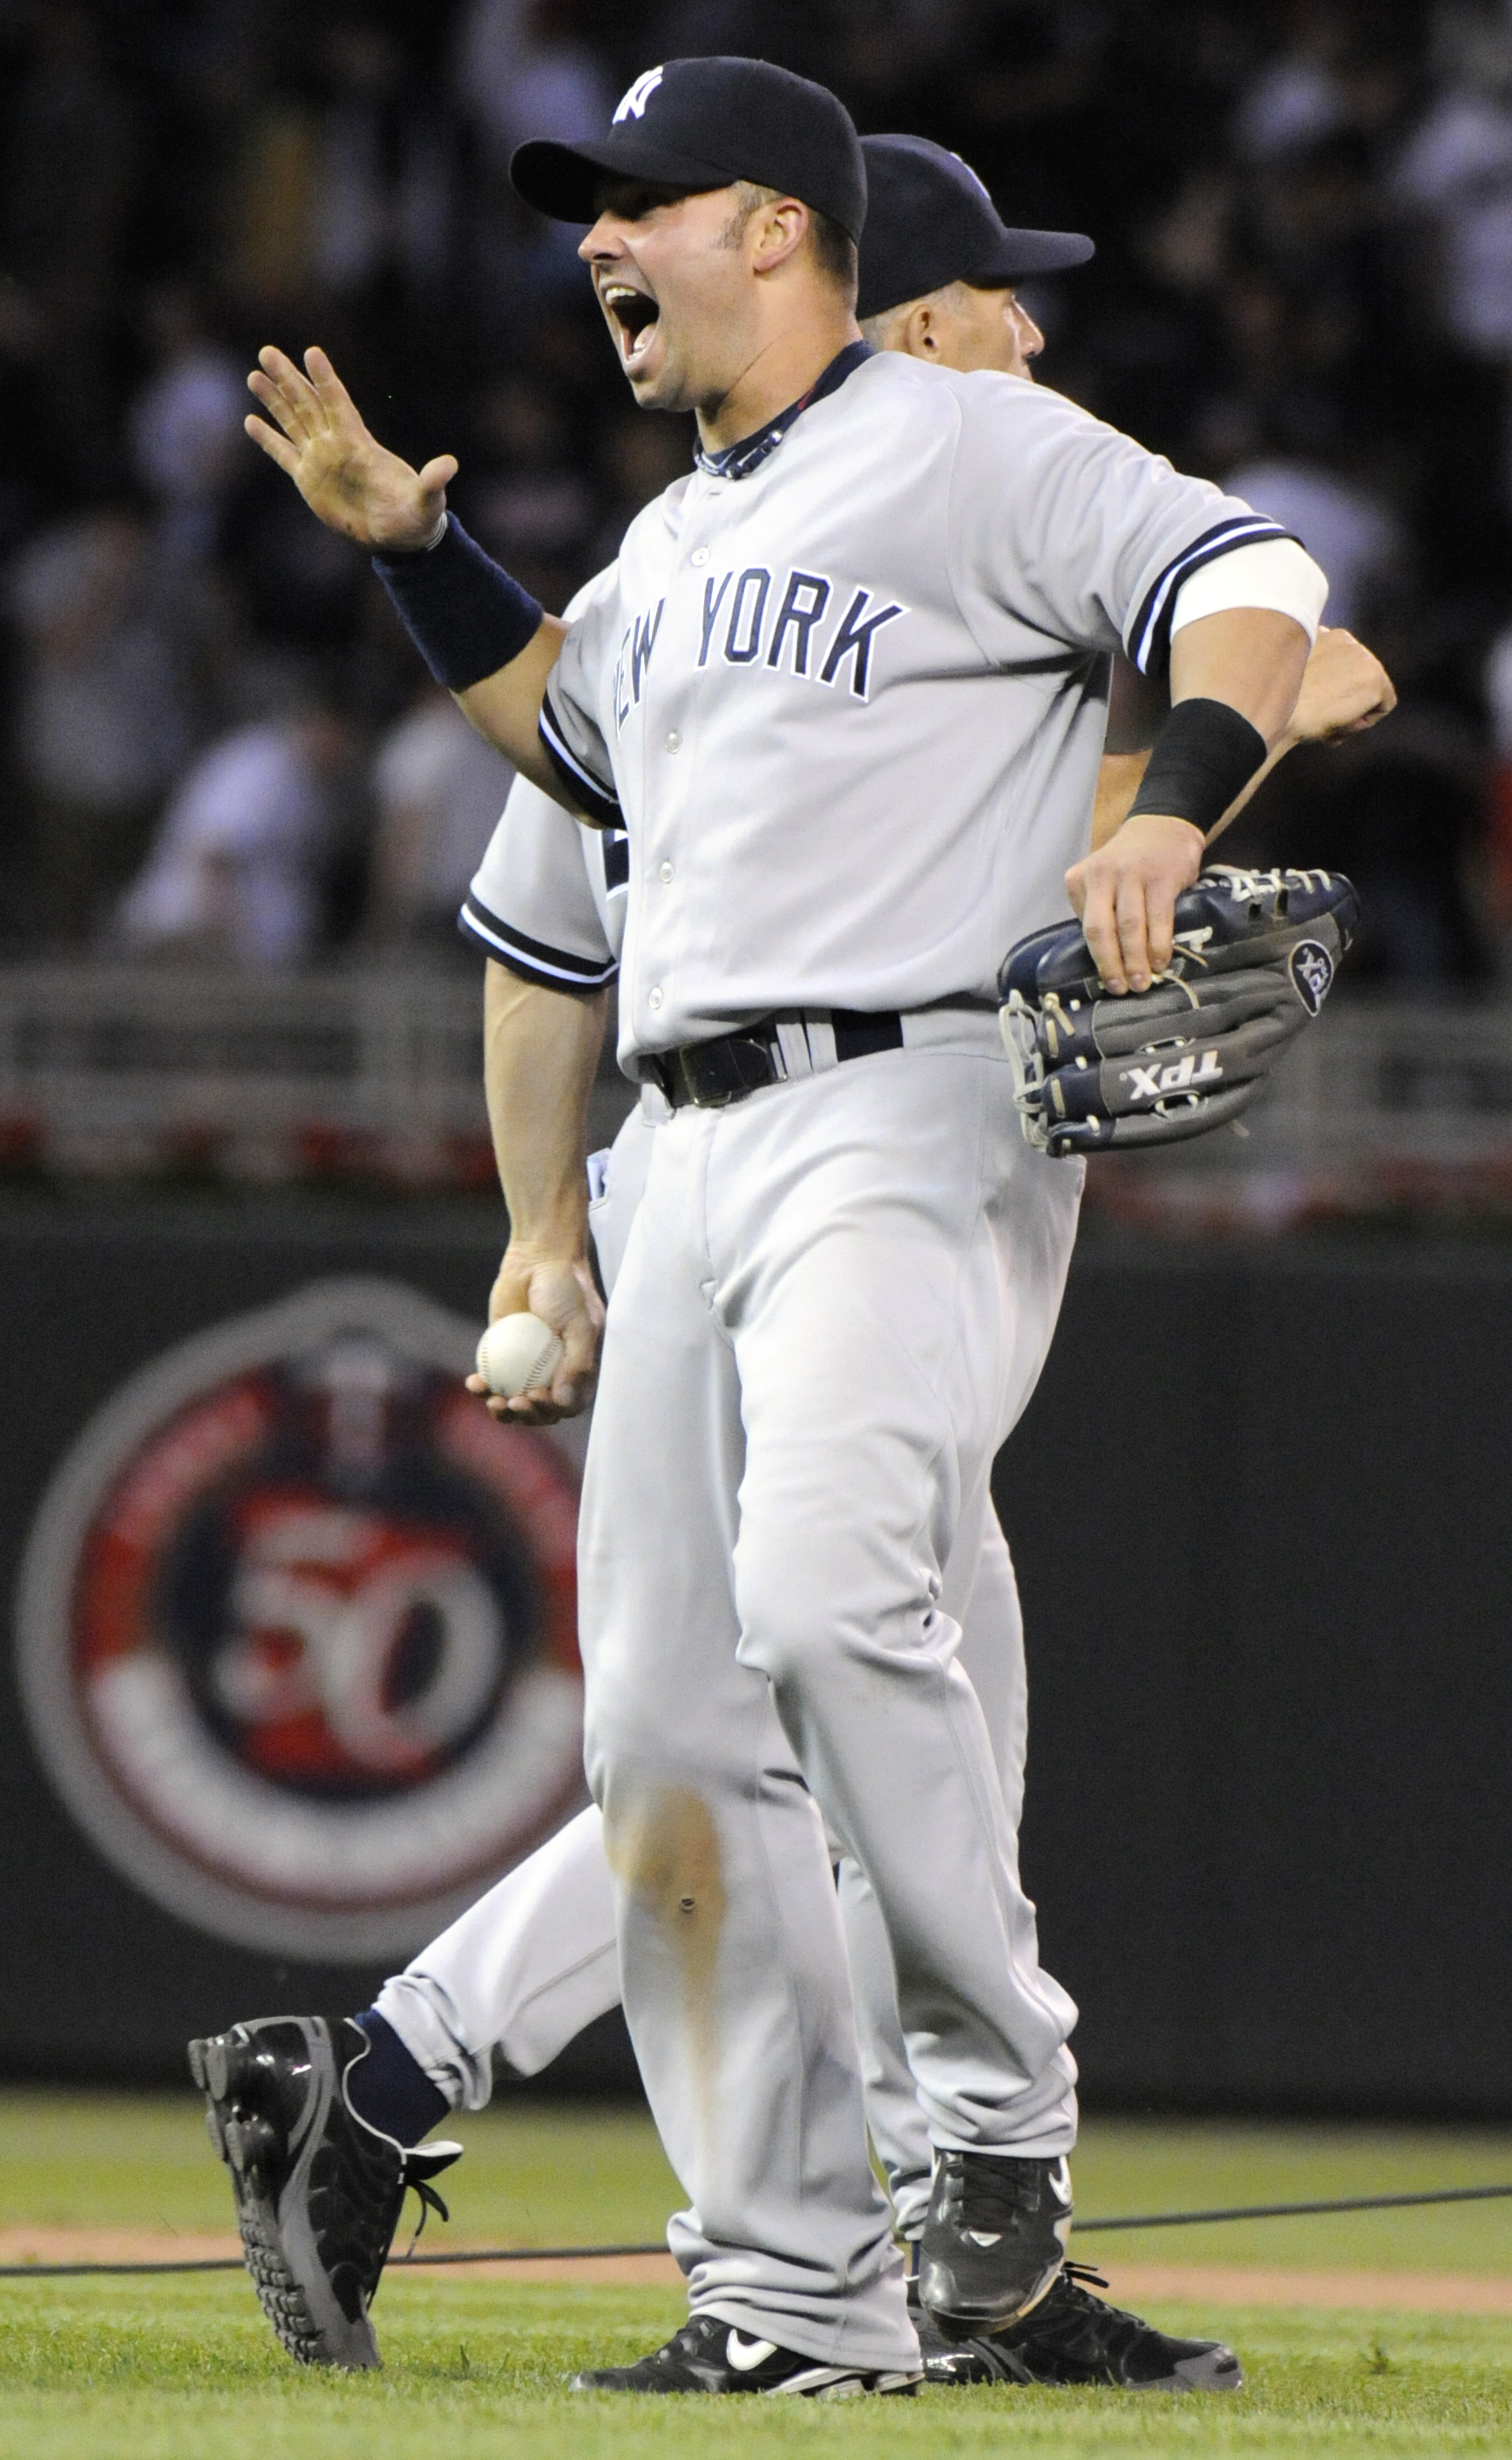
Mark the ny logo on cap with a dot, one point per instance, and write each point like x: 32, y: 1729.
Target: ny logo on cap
x: 632, y: 105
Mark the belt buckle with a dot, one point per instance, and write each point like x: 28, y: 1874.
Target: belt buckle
x: 711, y: 1075
x: 682, y: 1084
x: 752, y: 1065
x: 694, y: 1089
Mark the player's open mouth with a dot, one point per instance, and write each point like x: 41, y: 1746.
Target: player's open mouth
x: 636, y: 313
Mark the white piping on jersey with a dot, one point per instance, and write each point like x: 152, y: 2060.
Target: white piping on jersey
x: 1149, y: 625
x: 534, y: 959
x: 551, y: 735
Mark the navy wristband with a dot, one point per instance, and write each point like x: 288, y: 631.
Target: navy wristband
x: 463, y: 612
x: 1204, y: 755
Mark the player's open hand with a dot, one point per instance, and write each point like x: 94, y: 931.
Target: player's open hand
x: 1345, y: 688
x: 354, y: 483
x: 561, y: 1293
x: 1125, y: 893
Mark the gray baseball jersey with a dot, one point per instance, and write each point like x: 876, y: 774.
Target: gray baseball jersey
x: 844, y: 691
x: 535, y: 1959
x: 848, y: 697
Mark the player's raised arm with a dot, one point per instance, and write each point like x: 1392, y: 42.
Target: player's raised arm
x: 479, y: 633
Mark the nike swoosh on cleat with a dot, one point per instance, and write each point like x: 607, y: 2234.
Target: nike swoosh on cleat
x: 983, y: 2238
x: 746, y: 2355
x: 1060, y: 2182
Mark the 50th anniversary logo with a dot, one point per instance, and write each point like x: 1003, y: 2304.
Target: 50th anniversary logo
x: 297, y: 1629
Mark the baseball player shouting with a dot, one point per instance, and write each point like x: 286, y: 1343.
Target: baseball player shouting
x: 875, y: 624
x: 536, y: 1959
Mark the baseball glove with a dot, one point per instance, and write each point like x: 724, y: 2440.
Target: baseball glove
x: 1256, y: 952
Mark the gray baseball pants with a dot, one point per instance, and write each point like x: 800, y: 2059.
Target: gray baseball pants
x: 835, y: 1300
x: 537, y: 1957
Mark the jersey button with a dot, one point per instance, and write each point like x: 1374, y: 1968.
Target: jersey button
x: 674, y: 741
x: 653, y: 998
x: 699, y: 556
x: 664, y: 874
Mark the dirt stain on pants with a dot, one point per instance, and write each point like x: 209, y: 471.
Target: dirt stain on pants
x: 665, y: 1850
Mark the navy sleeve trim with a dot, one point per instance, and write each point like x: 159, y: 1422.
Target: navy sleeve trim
x: 558, y: 969
x: 593, y: 801
x: 1148, y: 640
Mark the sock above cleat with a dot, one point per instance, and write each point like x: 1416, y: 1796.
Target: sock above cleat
x: 389, y: 2089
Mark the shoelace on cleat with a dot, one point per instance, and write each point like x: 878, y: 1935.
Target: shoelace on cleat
x: 1071, y: 2323
x: 428, y: 2202
x: 372, y: 2177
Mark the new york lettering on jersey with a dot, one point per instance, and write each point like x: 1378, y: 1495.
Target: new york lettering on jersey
x: 873, y: 663
x: 774, y: 627
x: 749, y: 624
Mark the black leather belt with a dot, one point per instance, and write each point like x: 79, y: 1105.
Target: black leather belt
x: 711, y: 1074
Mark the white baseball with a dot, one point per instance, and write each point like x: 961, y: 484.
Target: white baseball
x: 518, y: 1353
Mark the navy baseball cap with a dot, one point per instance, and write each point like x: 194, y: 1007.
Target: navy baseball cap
x: 698, y: 124
x: 930, y: 221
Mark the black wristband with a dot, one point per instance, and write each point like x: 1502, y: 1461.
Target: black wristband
x: 461, y: 609
x: 1204, y: 755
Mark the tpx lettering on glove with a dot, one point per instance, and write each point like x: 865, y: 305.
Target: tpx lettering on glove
x: 1149, y: 1084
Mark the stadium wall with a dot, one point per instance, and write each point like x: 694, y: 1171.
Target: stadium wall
x: 1260, y: 1512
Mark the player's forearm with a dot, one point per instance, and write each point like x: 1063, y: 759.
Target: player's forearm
x: 540, y: 1054
x: 1345, y: 688
x: 506, y: 707
x: 481, y: 635
x: 1119, y: 777
x: 1122, y: 773
x: 1208, y: 661
x: 1235, y: 676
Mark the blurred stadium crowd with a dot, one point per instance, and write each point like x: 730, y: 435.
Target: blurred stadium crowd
x: 215, y: 742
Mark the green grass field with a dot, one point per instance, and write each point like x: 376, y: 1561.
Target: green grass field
x: 163, y: 2370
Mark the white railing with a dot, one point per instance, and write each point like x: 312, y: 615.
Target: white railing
x: 1374, y: 1078
x: 113, y: 1069
x: 118, y: 1044
x: 1381, y: 1106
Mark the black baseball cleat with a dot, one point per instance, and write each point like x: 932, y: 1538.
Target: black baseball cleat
x: 1073, y: 2337
x: 708, y: 2355
x: 995, y: 2238
x: 318, y: 2191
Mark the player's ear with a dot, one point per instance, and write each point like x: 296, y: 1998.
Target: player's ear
x: 923, y: 337
x: 779, y: 230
